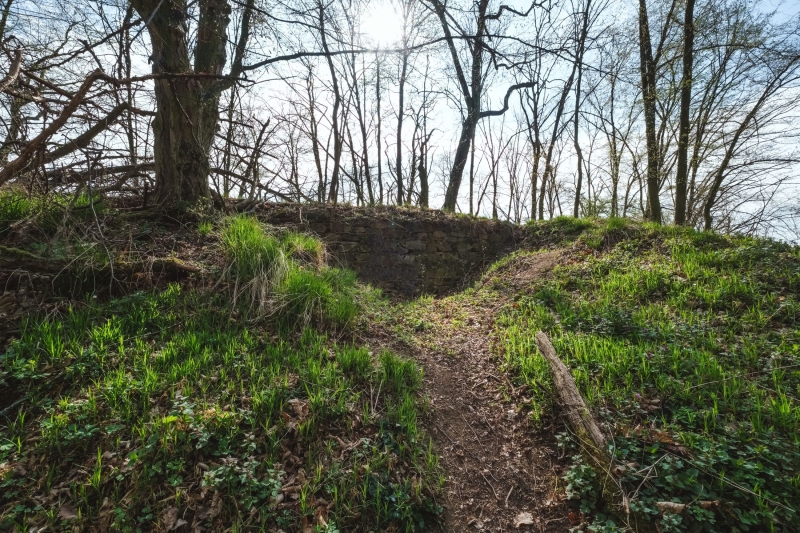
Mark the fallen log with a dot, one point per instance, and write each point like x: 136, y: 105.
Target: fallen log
x: 22, y: 260
x: 578, y: 415
x: 593, y: 443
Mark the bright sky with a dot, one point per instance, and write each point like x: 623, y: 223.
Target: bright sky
x: 382, y: 24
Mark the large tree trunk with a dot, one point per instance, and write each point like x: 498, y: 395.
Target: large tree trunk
x: 187, y: 108
x: 681, y: 177
x: 647, y: 67
x: 460, y: 161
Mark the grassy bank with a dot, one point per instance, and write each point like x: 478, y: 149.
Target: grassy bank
x: 178, y: 408
x: 687, y: 347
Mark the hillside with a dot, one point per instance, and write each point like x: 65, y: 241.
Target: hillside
x: 684, y: 344
x: 212, y: 373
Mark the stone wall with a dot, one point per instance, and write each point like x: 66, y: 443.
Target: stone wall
x: 402, y: 250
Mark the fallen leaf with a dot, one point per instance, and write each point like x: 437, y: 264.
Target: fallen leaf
x: 169, y: 517
x: 523, y: 519
x: 209, y: 513
x: 216, y: 504
x: 67, y: 512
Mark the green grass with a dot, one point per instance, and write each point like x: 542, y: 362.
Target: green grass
x: 558, y: 230
x: 205, y: 228
x: 687, y: 346
x: 249, y: 413
x: 45, y: 214
x: 162, y: 403
x: 285, y: 275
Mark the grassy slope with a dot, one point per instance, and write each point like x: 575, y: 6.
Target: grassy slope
x: 168, y: 407
x: 165, y: 406
x: 687, y: 346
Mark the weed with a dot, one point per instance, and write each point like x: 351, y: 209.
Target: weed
x: 205, y: 227
x: 285, y: 276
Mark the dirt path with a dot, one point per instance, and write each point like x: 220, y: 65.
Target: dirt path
x: 502, y: 474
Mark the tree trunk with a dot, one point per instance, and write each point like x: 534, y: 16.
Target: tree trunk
x: 4, y: 18
x: 460, y: 161
x: 400, y: 112
x: 314, y: 127
x: 187, y: 109
x: 471, y: 93
x: 364, y: 137
x: 333, y: 191
x: 471, y: 175
x: 14, y: 128
x: 423, y: 183
x: 579, y: 62
x: 578, y: 414
x: 378, y: 132
x: 681, y: 177
x: 647, y: 68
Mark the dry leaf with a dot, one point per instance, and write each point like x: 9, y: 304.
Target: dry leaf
x: 574, y: 518
x: 523, y: 519
x: 216, y: 505
x: 169, y: 517
x: 300, y: 407
x: 67, y: 512
x: 209, y: 513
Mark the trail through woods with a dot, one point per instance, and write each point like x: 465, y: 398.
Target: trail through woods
x: 502, y: 474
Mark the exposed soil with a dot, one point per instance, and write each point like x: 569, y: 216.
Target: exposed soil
x: 502, y: 473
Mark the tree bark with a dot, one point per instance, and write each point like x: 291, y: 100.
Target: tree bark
x: 681, y: 177
x: 471, y: 93
x: 378, y: 133
x: 579, y: 61
x: 333, y: 191
x: 578, y: 415
x: 400, y: 112
x: 187, y: 109
x: 647, y: 68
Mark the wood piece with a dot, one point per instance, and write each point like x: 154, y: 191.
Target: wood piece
x: 578, y: 414
x: 14, y: 258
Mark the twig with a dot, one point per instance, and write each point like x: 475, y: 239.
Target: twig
x: 509, y: 495
x: 13, y: 405
x: 490, y: 486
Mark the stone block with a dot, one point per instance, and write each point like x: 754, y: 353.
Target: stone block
x: 346, y: 246
x: 415, y: 246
